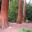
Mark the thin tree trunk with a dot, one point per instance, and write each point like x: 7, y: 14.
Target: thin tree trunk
x: 24, y: 11
x: 20, y: 13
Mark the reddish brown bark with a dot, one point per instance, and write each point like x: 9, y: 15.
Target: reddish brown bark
x: 20, y: 12
x: 4, y: 13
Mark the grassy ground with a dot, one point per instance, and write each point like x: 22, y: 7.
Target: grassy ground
x: 24, y: 30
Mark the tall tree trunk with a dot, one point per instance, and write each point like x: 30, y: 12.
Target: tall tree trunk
x: 24, y: 11
x: 4, y: 13
x: 20, y: 12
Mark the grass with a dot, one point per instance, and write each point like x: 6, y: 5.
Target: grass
x: 24, y: 30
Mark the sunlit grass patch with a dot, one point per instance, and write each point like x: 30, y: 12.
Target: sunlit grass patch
x: 24, y: 30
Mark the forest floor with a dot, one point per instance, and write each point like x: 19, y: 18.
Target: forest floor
x: 13, y: 27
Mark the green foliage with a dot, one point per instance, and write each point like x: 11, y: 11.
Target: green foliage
x: 24, y: 30
x: 13, y: 10
x: 29, y: 11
